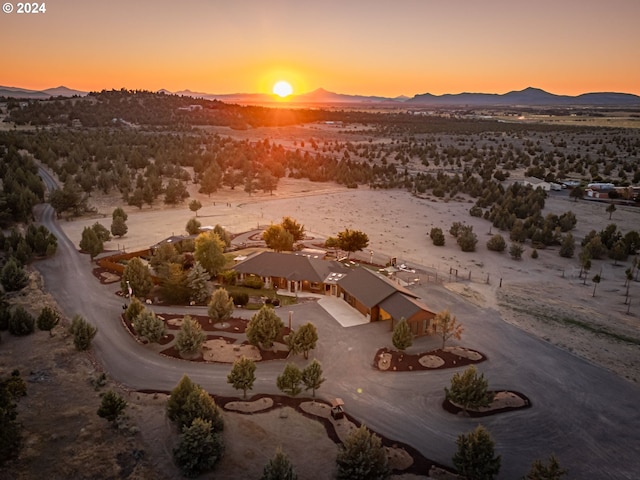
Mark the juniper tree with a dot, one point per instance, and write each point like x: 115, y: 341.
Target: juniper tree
x: 475, y: 457
x: 112, y: 406
x: 402, y: 337
x: 48, y: 319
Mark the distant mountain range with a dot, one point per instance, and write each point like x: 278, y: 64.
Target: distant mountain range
x: 527, y: 97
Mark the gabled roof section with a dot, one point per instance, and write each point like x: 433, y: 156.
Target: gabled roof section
x: 369, y: 287
x: 400, y: 306
x: 289, y: 266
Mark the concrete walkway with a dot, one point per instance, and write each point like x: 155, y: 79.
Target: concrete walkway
x: 342, y: 312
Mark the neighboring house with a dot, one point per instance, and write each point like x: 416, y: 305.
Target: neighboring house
x: 537, y: 183
x: 373, y: 295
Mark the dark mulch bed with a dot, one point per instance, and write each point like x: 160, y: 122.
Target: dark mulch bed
x: 98, y: 271
x: 421, y: 465
x: 454, y: 409
x: 404, y: 362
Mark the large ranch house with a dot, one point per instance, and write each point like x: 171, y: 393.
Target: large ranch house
x: 373, y: 295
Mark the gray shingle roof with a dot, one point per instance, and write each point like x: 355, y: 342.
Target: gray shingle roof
x: 289, y: 266
x: 400, y: 306
x: 370, y: 288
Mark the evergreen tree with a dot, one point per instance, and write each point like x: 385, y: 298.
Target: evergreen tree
x: 90, y: 242
x: 190, y: 337
x: 199, y: 448
x: 469, y: 390
x: 148, y: 325
x: 119, y: 227
x: 362, y: 457
x: 119, y: 212
x: 48, y: 319
x: 516, y: 250
x: 475, y: 457
x: 189, y: 401
x: 264, y: 327
x: 221, y: 306
x: 13, y: 277
x: 198, y: 283
x: 112, y: 406
x: 10, y: 428
x: 83, y: 333
x: 294, y: 228
x: 312, y: 377
x: 243, y: 375
x: 135, y: 308
x: 497, y: 243
x: 402, y: 337
x: 137, y: 275
x: 101, y: 232
x: 290, y: 379
x: 466, y: 239
x: 568, y: 246
x: 21, y: 322
x: 279, y: 468
x: 437, y: 236
x: 542, y: 471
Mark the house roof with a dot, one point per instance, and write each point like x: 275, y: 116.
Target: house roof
x: 400, y: 306
x: 292, y: 267
x: 369, y: 287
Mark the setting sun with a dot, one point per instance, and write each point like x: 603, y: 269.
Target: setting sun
x: 282, y: 89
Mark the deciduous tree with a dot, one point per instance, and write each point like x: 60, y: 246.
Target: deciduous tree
x: 210, y: 252
x: 303, y: 339
x: 193, y: 226
x: 352, y: 241
x: 290, y: 379
x: 312, y: 377
x: 294, y: 228
x: 195, y: 205
x: 446, y: 326
x: 278, y: 239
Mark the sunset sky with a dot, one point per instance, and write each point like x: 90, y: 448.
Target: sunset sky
x: 374, y: 47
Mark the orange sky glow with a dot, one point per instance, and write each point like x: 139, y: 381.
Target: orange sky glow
x: 375, y: 47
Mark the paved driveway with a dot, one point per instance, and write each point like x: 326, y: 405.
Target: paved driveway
x: 584, y: 414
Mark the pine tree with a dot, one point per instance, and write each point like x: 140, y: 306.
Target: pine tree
x: 542, y: 471
x: 190, y: 337
x: 362, y: 457
x: 199, y: 449
x: 198, y: 282
x: 242, y: 375
x: 264, y: 327
x: 48, y: 319
x: 112, y: 406
x: 312, y: 377
x: 189, y: 401
x: 279, y: 468
x: 137, y: 275
x: 221, y: 306
x: 148, y: 325
x: 475, y: 457
x: 469, y: 390
x: 402, y: 337
x: 13, y: 277
x: 83, y: 333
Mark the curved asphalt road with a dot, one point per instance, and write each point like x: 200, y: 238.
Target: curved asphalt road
x: 584, y: 414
